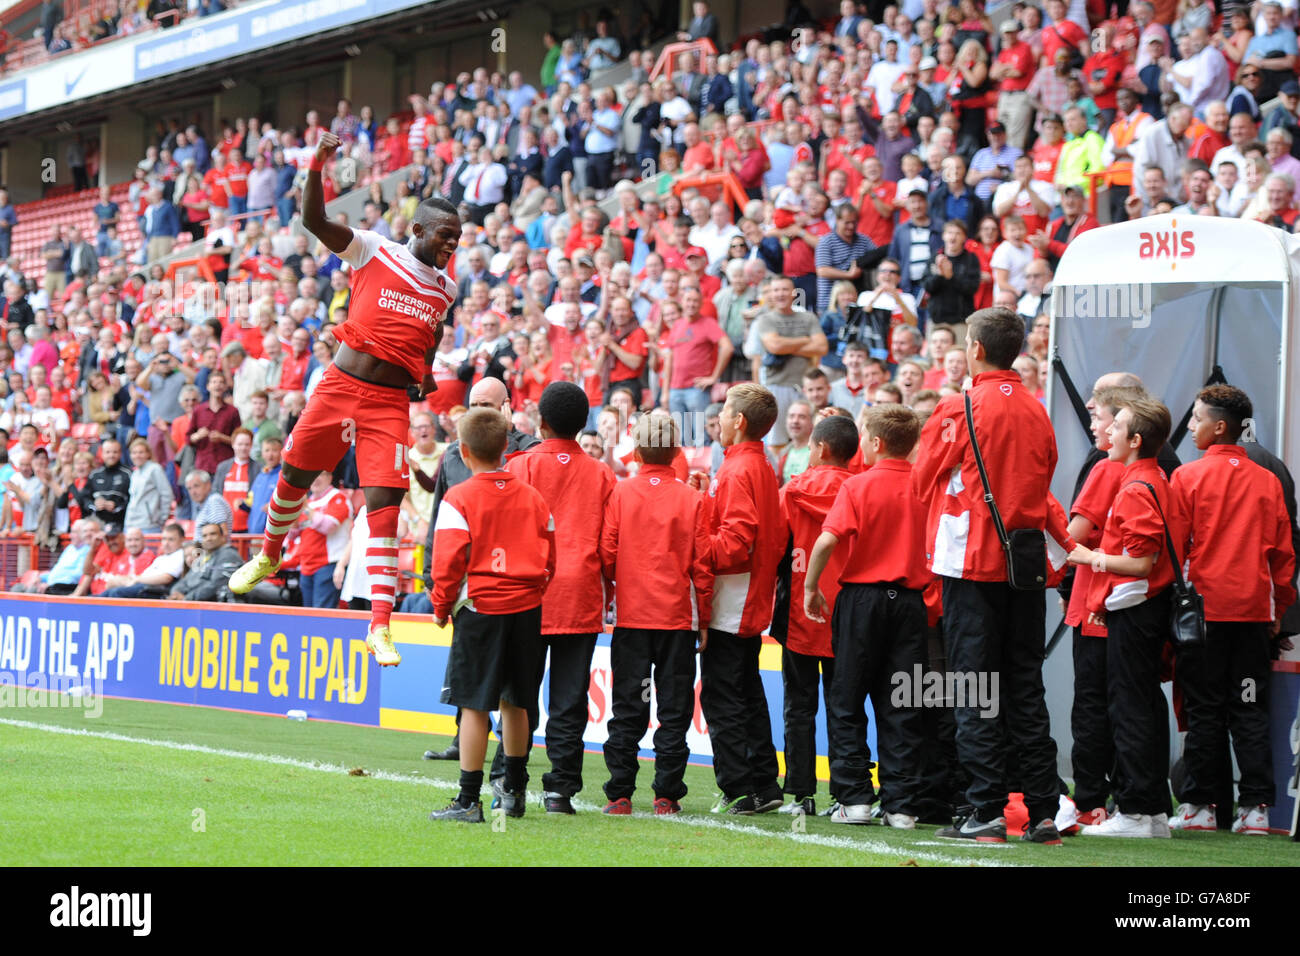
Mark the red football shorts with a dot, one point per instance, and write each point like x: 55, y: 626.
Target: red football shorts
x: 344, y: 410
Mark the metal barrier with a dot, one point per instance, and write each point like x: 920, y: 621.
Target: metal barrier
x: 674, y: 50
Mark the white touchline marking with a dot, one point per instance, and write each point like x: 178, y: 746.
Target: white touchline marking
x: 838, y: 843
x: 222, y: 752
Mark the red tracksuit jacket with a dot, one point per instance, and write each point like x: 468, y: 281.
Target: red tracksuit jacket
x: 496, y: 546
x: 1133, y: 528
x: 1236, y: 533
x: 747, y: 539
x: 575, y: 488
x: 805, y: 503
x: 654, y: 546
x: 1019, y: 449
x: 1094, y: 501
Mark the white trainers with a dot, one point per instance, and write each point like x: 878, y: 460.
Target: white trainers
x: 900, y: 821
x: 1194, y: 816
x: 859, y: 813
x: 1067, y: 816
x: 1137, y: 825
x: 1252, y: 821
x: 1160, y: 826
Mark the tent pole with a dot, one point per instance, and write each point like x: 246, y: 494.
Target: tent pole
x: 1283, y: 370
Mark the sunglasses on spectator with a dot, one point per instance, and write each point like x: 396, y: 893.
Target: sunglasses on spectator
x: 889, y: 272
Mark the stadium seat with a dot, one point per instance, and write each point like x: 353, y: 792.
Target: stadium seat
x: 406, y: 570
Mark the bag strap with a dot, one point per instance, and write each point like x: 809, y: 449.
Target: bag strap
x: 984, y: 476
x: 1169, y: 541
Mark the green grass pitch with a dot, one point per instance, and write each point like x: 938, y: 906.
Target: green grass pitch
x: 157, y: 784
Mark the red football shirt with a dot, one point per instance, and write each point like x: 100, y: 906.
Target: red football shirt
x: 881, y: 496
x: 398, y: 302
x: 1093, y: 503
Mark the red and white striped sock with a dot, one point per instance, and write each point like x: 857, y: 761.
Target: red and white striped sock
x: 286, y: 505
x: 381, y: 564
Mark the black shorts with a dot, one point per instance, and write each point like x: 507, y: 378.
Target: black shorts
x: 494, y: 657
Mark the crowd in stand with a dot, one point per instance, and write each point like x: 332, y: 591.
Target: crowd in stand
x: 902, y: 169
x: 95, y: 23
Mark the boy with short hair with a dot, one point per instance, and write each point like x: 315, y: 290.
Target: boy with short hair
x: 1236, y: 534
x: 496, y: 545
x: 746, y: 543
x: 879, y: 624
x: 1093, y: 751
x: 989, y: 626
x: 654, y: 546
x: 1130, y: 594
x: 575, y: 489
x: 806, y: 654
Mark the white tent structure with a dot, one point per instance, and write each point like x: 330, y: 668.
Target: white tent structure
x: 1174, y: 299
x: 1170, y: 298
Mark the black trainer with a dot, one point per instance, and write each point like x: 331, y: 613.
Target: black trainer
x: 768, y: 802
x: 734, y: 806
x: 458, y: 811
x: 451, y: 753
x: 969, y: 828
x: 1043, y: 832
x: 557, y: 803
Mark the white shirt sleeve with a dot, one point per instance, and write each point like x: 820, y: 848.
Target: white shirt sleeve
x: 1000, y: 258
x: 362, y: 248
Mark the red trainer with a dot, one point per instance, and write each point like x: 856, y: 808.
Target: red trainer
x: 664, y: 807
x: 622, y: 807
x: 1088, y: 818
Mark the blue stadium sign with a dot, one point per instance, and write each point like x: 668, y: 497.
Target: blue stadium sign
x: 247, y: 30
x: 13, y: 99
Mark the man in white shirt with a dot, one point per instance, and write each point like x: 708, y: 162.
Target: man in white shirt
x: 1202, y: 76
x: 601, y: 141
x: 884, y: 74
x: 52, y: 422
x: 715, y: 235
x: 156, y: 580
x: 220, y: 240
x: 485, y: 185
x: 1241, y: 130
x: 1023, y: 194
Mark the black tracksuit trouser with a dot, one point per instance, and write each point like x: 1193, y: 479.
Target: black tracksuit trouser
x: 740, y: 726
x: 1225, y: 689
x: 877, y: 634
x: 633, y: 653
x: 993, y: 631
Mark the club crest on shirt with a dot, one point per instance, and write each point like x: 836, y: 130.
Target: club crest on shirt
x: 501, y: 485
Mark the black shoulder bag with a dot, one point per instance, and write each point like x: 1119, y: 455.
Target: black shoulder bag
x: 1187, y: 614
x: 1025, y: 549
